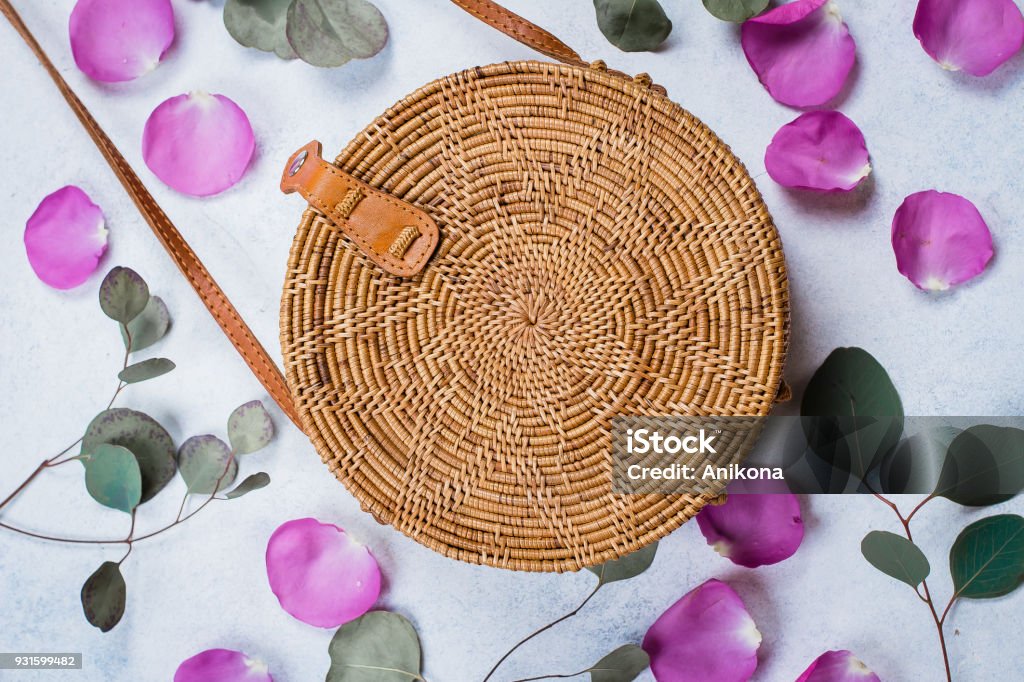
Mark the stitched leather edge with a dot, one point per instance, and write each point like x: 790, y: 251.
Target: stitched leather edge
x: 520, y: 29
x: 430, y: 229
x: 241, y: 337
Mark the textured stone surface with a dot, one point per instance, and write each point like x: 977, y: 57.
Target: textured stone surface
x: 204, y: 585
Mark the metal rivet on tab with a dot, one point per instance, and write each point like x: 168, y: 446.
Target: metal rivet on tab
x: 298, y: 162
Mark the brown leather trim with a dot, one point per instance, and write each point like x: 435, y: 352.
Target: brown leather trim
x: 518, y: 28
x: 377, y: 222
x: 533, y: 36
x: 244, y: 341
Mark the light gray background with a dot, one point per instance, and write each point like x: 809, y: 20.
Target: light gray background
x: 204, y: 585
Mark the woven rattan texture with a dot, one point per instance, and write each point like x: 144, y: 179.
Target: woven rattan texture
x: 602, y: 253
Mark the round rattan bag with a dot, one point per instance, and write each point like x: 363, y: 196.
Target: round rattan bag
x: 602, y: 253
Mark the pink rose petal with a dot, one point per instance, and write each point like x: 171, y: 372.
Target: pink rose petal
x: 320, y: 574
x: 754, y: 530
x: 120, y: 40
x: 940, y: 240
x: 707, y: 635
x: 222, y: 665
x: 65, y: 238
x: 973, y: 35
x: 838, y: 666
x: 802, y: 51
x: 820, y: 150
x: 198, y: 144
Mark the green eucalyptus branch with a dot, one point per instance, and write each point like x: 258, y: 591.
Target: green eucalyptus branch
x: 924, y: 594
x: 621, y: 665
x: 395, y: 647
x: 540, y: 631
x: 111, y: 541
x: 130, y: 539
x: 623, y: 568
x: 55, y: 460
x: 128, y: 457
x: 854, y: 422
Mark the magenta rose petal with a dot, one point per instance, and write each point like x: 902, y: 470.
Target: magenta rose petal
x: 838, y: 666
x: 802, y: 52
x: 940, y: 240
x: 320, y: 574
x: 120, y: 40
x: 754, y: 530
x: 975, y: 36
x: 820, y: 150
x: 707, y: 635
x: 65, y: 238
x: 198, y: 144
x: 222, y: 665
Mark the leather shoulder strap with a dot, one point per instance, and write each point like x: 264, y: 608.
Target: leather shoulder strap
x: 514, y: 26
x: 198, y: 276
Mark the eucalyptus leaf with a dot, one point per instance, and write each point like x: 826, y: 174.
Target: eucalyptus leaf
x: 123, y: 294
x: 915, y: 464
x: 145, y: 370
x: 379, y: 646
x: 206, y: 464
x: 896, y: 556
x: 333, y: 32
x: 149, y: 442
x: 149, y: 326
x: 112, y: 477
x: 805, y: 471
x: 984, y: 465
x: 987, y: 559
x: 626, y: 567
x: 250, y: 428
x: 260, y: 24
x: 251, y: 483
x: 736, y: 11
x: 633, y: 25
x: 851, y: 412
x: 104, y: 595
x: 621, y: 665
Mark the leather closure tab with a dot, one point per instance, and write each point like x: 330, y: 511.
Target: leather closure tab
x: 394, y: 234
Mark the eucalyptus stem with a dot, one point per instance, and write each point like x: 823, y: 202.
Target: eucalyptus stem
x: 547, y: 627
x: 130, y: 540
x: 551, y: 677
x: 181, y: 507
x: 113, y: 541
x: 55, y: 460
x: 117, y: 541
x: 24, y: 484
x: 918, y: 507
x: 124, y: 365
x: 926, y: 597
